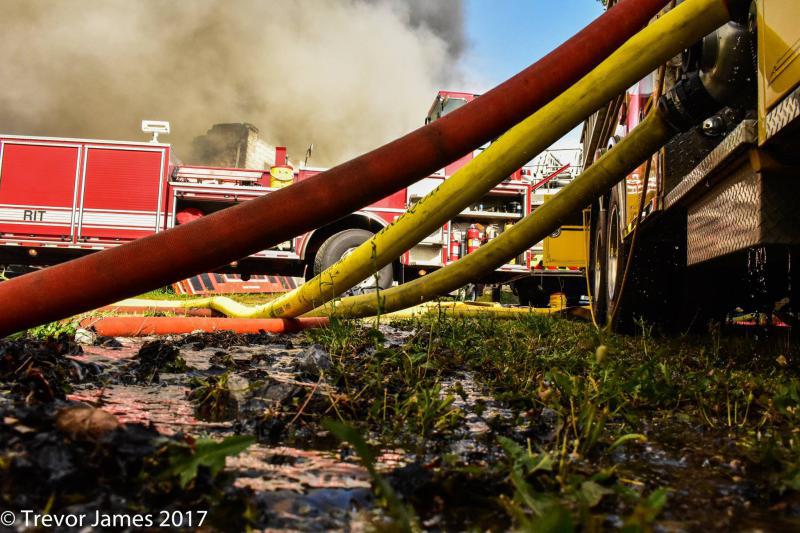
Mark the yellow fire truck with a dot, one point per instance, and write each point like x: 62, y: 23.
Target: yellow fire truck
x: 720, y: 226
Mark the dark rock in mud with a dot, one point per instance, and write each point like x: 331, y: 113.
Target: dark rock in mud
x: 276, y: 392
x: 154, y: 357
x: 107, y: 342
x: 229, y: 339
x: 218, y: 339
x: 122, y: 469
x: 314, y: 360
x: 213, y: 399
x: 42, y: 369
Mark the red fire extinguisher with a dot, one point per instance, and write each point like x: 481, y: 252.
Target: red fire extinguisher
x: 455, y: 245
x: 473, y: 238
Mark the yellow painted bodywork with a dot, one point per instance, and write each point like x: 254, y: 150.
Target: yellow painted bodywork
x: 778, y: 53
x: 568, y: 249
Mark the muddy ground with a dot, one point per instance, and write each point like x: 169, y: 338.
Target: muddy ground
x: 539, y: 424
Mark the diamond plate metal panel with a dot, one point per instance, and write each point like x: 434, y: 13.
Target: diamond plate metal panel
x: 744, y: 210
x: 743, y: 135
x: 783, y: 114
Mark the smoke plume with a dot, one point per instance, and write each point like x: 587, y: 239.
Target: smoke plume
x: 346, y: 75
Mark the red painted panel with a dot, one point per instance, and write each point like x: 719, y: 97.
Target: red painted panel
x: 393, y: 201
x: 36, y: 177
x: 455, y: 166
x: 120, y: 180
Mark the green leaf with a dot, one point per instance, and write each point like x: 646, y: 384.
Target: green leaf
x: 593, y: 492
x: 557, y: 519
x: 537, y: 503
x: 523, y: 460
x: 657, y: 500
x: 184, y: 462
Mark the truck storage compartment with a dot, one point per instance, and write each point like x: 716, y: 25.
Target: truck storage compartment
x: 37, y: 189
x: 122, y: 193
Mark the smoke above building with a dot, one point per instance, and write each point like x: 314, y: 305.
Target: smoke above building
x: 345, y: 75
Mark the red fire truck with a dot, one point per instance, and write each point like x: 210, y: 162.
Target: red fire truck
x: 61, y: 198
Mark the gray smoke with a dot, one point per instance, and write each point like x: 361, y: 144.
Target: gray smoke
x: 346, y: 75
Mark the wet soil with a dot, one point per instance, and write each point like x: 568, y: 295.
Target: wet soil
x: 474, y: 426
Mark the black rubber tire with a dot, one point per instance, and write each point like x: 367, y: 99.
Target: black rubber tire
x: 337, y: 245
x: 614, y: 243
x: 597, y: 261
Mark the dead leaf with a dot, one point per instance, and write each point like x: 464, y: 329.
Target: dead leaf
x: 86, y: 422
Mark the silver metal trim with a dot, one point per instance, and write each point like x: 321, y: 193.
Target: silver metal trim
x: 2, y: 147
x: 83, y: 194
x: 182, y: 185
x: 783, y: 114
x: 48, y: 207
x: 171, y: 222
x: 161, y: 181
x: 744, y: 134
x: 75, y: 193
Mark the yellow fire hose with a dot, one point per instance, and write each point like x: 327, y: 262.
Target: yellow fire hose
x: 628, y: 154
x: 673, y: 32
x: 450, y: 309
x: 643, y: 53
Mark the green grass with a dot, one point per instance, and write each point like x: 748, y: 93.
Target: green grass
x: 609, y: 394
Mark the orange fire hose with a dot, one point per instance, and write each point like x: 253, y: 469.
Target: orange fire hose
x: 133, y: 326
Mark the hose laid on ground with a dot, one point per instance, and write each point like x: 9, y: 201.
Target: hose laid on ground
x: 472, y: 309
x: 228, y: 235
x: 234, y: 309
x: 659, y: 41
x: 135, y: 326
x: 637, y: 146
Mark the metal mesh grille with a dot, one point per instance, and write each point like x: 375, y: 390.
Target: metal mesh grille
x: 745, y: 210
x: 783, y: 114
x: 744, y: 134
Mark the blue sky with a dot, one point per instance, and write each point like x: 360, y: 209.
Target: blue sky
x: 506, y: 36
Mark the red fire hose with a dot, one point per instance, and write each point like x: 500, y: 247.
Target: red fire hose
x: 134, y: 326
x: 228, y: 235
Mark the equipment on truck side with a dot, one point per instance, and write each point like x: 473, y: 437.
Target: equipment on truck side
x: 719, y: 231
x: 474, y: 239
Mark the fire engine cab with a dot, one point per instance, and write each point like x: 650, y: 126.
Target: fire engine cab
x: 61, y: 198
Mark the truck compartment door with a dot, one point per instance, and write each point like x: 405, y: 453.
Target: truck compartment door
x: 122, y: 193
x: 37, y: 189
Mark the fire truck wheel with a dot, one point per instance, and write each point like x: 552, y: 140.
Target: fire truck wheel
x: 615, y: 252
x: 341, y: 245
x: 597, y: 263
